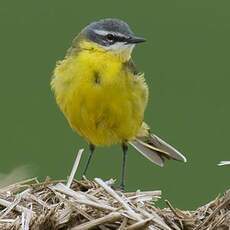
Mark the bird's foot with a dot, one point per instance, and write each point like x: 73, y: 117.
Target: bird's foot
x: 122, y: 187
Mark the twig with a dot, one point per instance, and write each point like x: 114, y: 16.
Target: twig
x: 173, y: 209
x: 26, y: 218
x: 18, y: 208
x: 149, y: 193
x: 140, y: 225
x: 219, y: 221
x: 74, y: 169
x: 112, y: 217
x: 123, y: 224
x: 80, y: 198
x: 118, y: 198
x: 155, y: 218
x: 222, y: 205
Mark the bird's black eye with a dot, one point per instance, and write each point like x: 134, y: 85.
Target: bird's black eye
x: 110, y: 37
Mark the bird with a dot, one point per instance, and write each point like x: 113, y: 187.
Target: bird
x: 103, y: 96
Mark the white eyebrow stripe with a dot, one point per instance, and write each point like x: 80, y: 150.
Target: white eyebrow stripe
x: 101, y: 32
x: 105, y: 32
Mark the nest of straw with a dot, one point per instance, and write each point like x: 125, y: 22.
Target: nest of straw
x: 96, y: 205
x: 81, y: 205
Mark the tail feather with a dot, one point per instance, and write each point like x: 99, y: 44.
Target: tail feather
x: 172, y: 152
x: 150, y: 154
x: 156, y: 150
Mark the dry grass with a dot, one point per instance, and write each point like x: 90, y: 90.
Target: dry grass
x: 85, y: 204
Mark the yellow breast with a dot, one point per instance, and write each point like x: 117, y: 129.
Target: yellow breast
x: 102, y: 100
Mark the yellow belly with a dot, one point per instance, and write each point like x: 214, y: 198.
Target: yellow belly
x: 102, y: 101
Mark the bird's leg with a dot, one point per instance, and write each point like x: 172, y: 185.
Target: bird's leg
x: 91, y: 149
x: 124, y: 149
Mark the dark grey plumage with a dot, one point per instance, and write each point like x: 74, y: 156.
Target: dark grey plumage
x: 110, y: 24
x: 112, y: 30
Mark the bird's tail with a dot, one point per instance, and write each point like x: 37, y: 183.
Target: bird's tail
x: 154, y: 148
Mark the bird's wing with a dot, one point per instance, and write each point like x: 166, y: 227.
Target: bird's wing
x: 131, y: 67
x: 74, y: 46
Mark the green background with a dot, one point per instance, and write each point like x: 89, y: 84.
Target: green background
x: 186, y: 64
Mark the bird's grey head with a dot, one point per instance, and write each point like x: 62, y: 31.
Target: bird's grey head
x: 112, y: 34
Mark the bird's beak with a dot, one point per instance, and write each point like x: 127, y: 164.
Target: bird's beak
x: 135, y: 40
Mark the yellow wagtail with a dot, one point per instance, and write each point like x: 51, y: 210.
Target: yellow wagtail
x: 103, y: 96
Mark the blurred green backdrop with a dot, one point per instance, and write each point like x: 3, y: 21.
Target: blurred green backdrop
x: 186, y: 64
